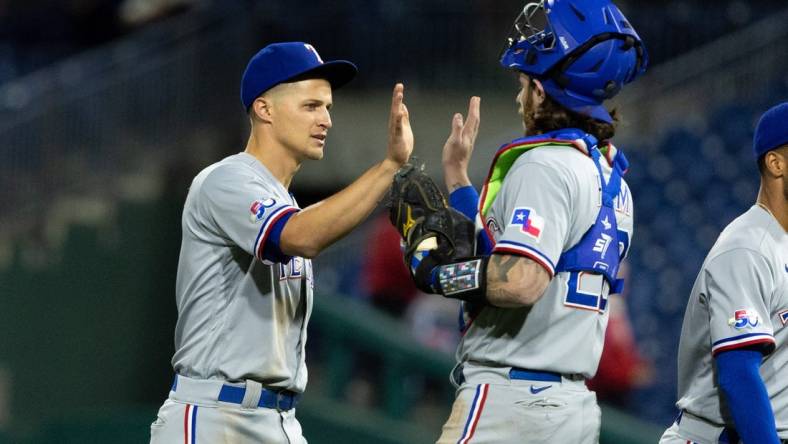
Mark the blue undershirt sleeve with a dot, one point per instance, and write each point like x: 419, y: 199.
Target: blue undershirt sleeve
x: 465, y: 200
x: 746, y: 396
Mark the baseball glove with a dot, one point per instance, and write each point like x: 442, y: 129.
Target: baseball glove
x: 419, y: 212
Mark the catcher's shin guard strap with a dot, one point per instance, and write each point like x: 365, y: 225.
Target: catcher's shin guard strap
x: 466, y: 280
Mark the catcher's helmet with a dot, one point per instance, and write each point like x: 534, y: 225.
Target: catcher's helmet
x: 583, y: 51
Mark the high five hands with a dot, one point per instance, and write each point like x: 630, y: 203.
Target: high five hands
x: 459, y: 146
x: 400, y: 143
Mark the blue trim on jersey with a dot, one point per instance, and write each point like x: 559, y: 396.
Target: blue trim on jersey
x: 736, y: 338
x: 264, y: 227
x: 740, y: 380
x: 470, y: 413
x: 271, y: 250
x: 529, y: 248
x: 465, y: 200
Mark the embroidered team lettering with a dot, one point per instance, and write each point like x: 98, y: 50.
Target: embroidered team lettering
x: 743, y: 319
x: 292, y: 270
x: 529, y: 222
x: 622, y: 203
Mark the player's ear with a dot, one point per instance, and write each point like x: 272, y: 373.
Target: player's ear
x: 776, y: 162
x: 539, y: 94
x: 262, y: 108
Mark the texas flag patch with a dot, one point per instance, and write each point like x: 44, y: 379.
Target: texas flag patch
x: 743, y: 319
x: 529, y: 222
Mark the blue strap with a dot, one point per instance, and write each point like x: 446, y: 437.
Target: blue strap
x: 612, y: 186
x: 617, y: 287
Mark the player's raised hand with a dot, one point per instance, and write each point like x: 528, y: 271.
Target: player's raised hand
x: 459, y: 146
x: 400, y: 144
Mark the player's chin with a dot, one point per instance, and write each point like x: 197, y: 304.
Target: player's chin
x: 314, y: 153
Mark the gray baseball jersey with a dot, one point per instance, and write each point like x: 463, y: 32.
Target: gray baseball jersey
x: 558, y: 190
x: 243, y: 307
x: 740, y: 299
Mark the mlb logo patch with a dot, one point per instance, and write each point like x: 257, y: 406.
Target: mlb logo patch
x: 493, y: 226
x: 529, y: 222
x: 743, y: 319
x: 783, y: 316
x: 258, y: 208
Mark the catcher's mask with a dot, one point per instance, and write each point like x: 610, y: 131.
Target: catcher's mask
x: 583, y: 51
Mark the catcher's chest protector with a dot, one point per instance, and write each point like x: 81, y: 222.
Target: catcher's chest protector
x: 602, y: 247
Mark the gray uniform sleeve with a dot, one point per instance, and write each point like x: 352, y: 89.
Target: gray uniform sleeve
x: 245, y: 211
x: 536, y: 213
x: 737, y: 288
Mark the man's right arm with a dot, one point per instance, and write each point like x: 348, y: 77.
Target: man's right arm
x: 741, y: 334
x: 316, y: 227
x: 746, y: 396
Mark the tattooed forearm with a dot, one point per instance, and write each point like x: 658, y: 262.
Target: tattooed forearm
x: 514, y: 281
x: 501, y: 264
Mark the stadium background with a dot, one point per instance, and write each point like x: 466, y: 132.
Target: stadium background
x: 105, y: 116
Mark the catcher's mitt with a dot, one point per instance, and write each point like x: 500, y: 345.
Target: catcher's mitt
x: 418, y: 210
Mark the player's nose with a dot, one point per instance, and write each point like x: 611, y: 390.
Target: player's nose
x: 325, y: 120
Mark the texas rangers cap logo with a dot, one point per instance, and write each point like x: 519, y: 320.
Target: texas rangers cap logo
x: 258, y: 208
x: 312, y: 49
x: 744, y: 318
x: 529, y: 222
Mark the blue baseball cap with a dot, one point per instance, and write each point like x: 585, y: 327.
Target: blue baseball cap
x: 279, y: 62
x: 771, y: 131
